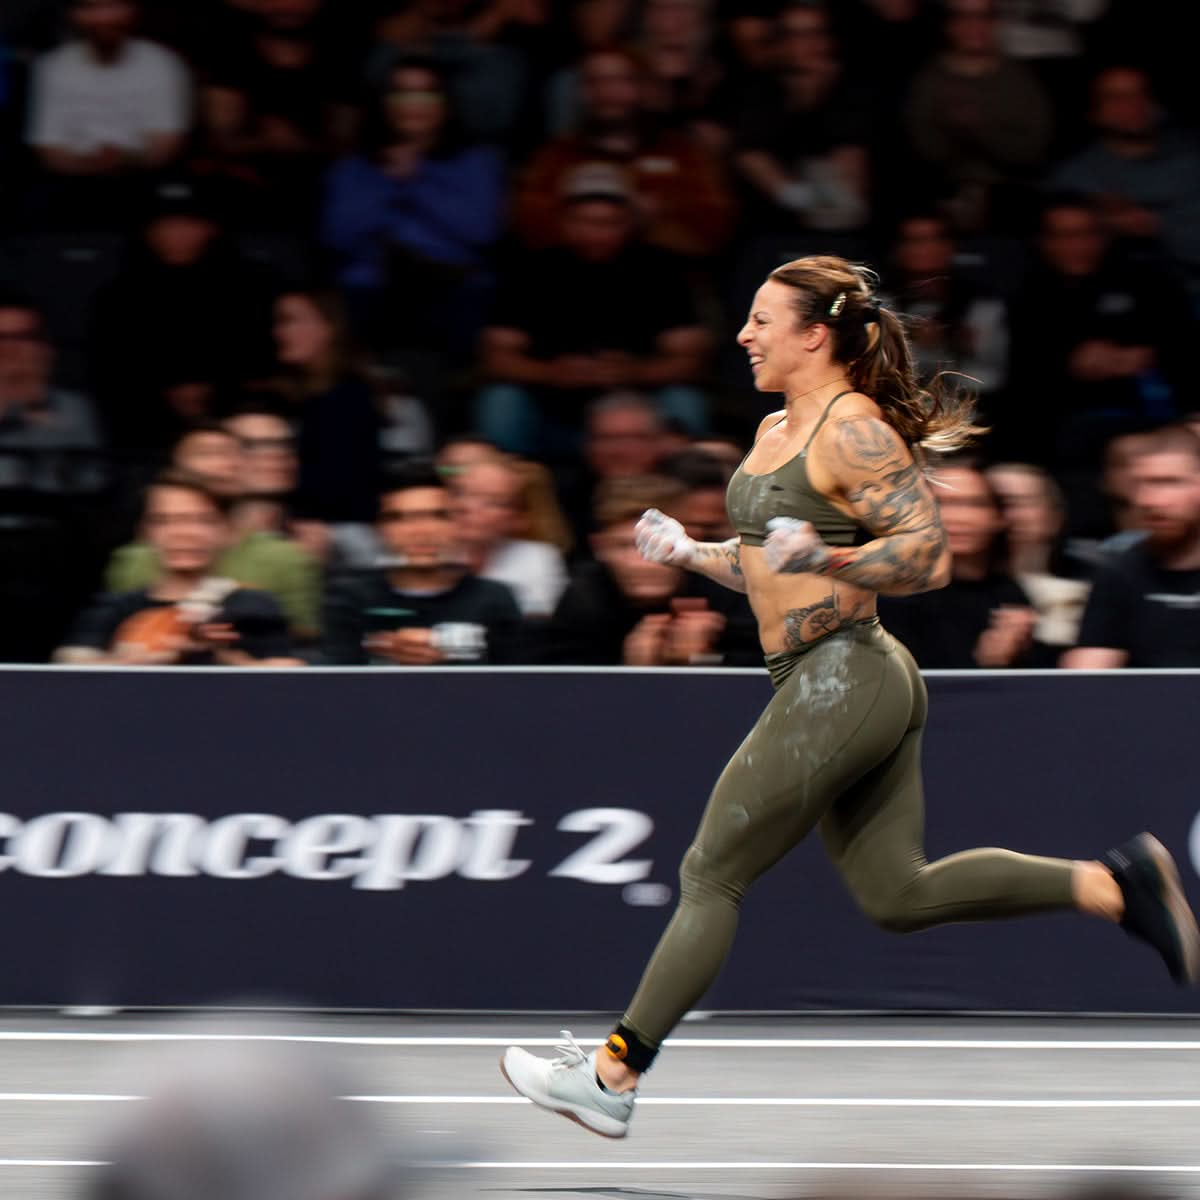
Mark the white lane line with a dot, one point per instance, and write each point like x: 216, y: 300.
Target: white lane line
x: 689, y: 1101
x: 1031, y: 1168
x: 52, y: 1162
x: 675, y: 1043
x: 758, y: 1165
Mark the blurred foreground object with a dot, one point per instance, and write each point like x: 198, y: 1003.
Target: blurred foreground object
x: 245, y: 1121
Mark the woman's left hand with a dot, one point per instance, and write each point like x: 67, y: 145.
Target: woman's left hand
x: 795, y: 548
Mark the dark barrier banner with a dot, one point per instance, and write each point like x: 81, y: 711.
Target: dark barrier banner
x: 509, y: 840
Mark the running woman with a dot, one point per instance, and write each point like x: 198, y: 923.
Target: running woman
x: 832, y: 508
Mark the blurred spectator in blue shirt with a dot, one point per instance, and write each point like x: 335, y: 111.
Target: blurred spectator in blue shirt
x: 408, y: 222
x: 1143, y: 175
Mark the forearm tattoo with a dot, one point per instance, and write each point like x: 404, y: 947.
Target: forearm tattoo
x: 890, y: 498
x: 721, y: 561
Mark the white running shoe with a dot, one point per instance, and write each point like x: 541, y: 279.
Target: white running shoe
x: 568, y: 1085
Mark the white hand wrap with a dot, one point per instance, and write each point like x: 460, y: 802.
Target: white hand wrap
x: 793, y: 547
x: 662, y: 539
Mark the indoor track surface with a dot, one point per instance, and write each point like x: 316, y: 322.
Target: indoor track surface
x: 816, y: 1106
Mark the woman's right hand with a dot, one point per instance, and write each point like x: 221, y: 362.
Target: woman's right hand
x: 662, y: 539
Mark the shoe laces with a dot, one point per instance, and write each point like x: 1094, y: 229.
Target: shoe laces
x: 570, y: 1052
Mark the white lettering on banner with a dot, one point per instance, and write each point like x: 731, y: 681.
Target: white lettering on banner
x: 158, y: 843
x: 617, y: 831
x: 381, y: 853
x: 1193, y: 844
x: 60, y: 845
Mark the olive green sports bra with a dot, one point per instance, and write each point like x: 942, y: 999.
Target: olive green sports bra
x: 752, y: 500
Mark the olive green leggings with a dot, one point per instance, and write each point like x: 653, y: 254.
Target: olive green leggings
x: 839, y: 746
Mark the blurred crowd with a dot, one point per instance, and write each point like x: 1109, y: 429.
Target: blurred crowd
x: 363, y: 333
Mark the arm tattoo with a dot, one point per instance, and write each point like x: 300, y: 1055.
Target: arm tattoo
x: 729, y: 552
x: 720, y: 561
x: 889, y: 497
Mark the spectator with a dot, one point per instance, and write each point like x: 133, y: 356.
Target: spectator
x: 488, y: 500
x: 182, y: 325
x: 955, y: 324
x: 1035, y: 514
x: 409, y: 222
x: 1144, y: 608
x: 245, y: 462
x: 725, y: 448
x: 622, y: 609
x: 1050, y: 36
x: 107, y: 102
x: 682, y: 200
x: 424, y: 607
x: 49, y: 438
x: 190, y: 615
x: 1099, y: 348
x: 540, y: 517
x: 1143, y: 175
x: 333, y: 405
x: 630, y: 322
x: 801, y: 133
x: 701, y: 508
x: 623, y: 438
x: 982, y: 617
x: 279, y: 101
x: 682, y: 73
x: 979, y: 121
x: 486, y: 47
x: 209, y: 453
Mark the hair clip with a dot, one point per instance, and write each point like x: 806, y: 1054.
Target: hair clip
x: 839, y: 302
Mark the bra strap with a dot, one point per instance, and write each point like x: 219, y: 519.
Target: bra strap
x: 828, y: 410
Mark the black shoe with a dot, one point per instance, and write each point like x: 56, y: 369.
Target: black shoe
x: 1156, y: 909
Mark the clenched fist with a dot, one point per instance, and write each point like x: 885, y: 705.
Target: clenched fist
x: 794, y: 547
x: 662, y: 539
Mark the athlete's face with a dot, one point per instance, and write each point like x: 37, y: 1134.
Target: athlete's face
x: 1166, y: 495
x: 770, y: 337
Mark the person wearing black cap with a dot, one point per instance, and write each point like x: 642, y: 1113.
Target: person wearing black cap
x: 185, y: 320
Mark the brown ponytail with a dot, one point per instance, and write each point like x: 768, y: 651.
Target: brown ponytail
x: 873, y: 344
